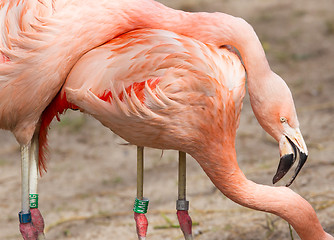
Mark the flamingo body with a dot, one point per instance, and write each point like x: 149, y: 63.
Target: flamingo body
x: 17, y: 16
x: 139, y: 77
x: 163, y: 90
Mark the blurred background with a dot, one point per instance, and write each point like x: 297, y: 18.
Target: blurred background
x: 90, y: 186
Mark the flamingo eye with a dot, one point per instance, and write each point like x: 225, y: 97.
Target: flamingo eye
x: 283, y: 119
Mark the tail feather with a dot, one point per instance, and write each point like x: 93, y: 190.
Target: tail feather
x: 60, y: 104
x: 57, y: 107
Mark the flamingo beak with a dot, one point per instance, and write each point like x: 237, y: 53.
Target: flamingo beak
x: 291, y: 143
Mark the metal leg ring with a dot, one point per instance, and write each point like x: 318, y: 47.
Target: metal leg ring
x: 182, y: 205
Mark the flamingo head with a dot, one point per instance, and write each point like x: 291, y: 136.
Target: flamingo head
x: 274, y: 108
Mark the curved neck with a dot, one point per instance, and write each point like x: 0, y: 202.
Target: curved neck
x: 223, y: 170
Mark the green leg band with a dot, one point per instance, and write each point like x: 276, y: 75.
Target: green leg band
x: 141, y: 206
x: 33, y: 198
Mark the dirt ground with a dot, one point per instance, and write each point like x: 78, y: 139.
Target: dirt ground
x: 90, y: 186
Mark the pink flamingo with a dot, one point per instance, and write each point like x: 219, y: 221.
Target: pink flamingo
x: 17, y: 16
x: 158, y: 89
x: 39, y: 48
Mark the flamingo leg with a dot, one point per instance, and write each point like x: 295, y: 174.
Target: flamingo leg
x: 141, y: 203
x: 36, y: 215
x: 182, y: 205
x: 27, y: 229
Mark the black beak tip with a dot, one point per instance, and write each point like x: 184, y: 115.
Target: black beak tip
x: 302, y: 160
x: 284, y: 166
x: 276, y: 178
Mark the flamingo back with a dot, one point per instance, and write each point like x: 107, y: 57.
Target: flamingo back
x: 158, y: 54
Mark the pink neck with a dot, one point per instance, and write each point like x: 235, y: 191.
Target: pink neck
x: 223, y: 170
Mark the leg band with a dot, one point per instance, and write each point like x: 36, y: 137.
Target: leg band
x: 25, y: 217
x: 141, y: 206
x: 33, y: 198
x: 182, y: 205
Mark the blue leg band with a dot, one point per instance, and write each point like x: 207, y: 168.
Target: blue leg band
x: 25, y: 217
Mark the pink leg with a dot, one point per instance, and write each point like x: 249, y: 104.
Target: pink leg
x: 28, y: 231
x: 182, y: 205
x: 141, y: 225
x: 38, y: 221
x: 185, y: 223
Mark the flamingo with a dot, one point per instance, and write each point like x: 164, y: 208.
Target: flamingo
x: 18, y: 16
x: 40, y: 47
x: 159, y: 89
